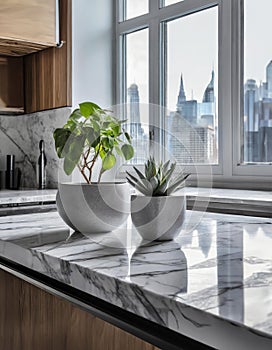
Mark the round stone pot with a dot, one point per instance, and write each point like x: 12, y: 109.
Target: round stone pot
x: 94, y: 208
x: 158, y: 218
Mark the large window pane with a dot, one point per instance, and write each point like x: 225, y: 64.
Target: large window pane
x: 136, y: 85
x: 257, y: 122
x: 192, y: 121
x: 135, y: 8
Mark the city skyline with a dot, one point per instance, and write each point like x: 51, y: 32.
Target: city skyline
x: 186, y: 46
x: 191, y: 130
x: 202, y: 137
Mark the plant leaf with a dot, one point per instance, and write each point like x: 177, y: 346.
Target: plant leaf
x: 61, y: 136
x: 76, y: 115
x: 150, y: 168
x: 165, y: 166
x: 168, y: 175
x: 128, y: 137
x: 141, y: 189
x: 141, y: 175
x: 177, y: 183
x: 76, y: 148
x: 69, y: 166
x: 138, y: 181
x: 108, y: 161
x: 127, y: 151
x: 88, y: 108
x: 118, y: 150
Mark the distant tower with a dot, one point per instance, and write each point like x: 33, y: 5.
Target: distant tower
x: 134, y: 102
x: 181, y: 95
x: 251, y: 122
x: 251, y: 96
x: 269, y: 78
x: 209, y: 92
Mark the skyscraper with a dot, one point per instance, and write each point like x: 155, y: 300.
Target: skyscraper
x: 181, y: 95
x: 208, y: 96
x: 251, y: 122
x: 251, y: 96
x: 189, y: 141
x: 186, y: 108
x: 139, y: 138
x: 134, y: 106
x: 207, y: 108
x: 269, y: 79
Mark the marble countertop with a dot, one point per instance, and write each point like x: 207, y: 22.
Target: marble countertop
x: 11, y: 197
x: 213, y: 283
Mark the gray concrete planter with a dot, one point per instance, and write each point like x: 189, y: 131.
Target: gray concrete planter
x: 158, y: 218
x: 94, y: 208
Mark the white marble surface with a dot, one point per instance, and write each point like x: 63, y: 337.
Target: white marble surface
x: 213, y: 284
x: 10, y: 197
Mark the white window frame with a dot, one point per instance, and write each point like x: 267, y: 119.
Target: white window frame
x: 229, y: 172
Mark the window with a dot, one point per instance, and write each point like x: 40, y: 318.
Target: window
x: 202, y: 62
x: 257, y: 123
x: 134, y: 8
x: 136, y: 84
x: 192, y: 121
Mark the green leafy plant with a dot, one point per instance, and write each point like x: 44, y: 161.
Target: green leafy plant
x: 91, y: 133
x: 157, y: 180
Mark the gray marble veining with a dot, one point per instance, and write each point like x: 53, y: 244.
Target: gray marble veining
x: 213, y: 283
x: 20, y: 135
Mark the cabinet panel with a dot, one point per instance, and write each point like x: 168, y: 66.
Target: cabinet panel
x: 27, y: 25
x: 31, y: 318
x: 11, y: 86
x: 48, y: 73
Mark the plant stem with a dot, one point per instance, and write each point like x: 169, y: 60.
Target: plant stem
x: 91, y: 167
x: 83, y: 174
x: 100, y: 174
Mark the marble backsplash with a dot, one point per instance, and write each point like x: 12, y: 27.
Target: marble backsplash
x: 20, y: 135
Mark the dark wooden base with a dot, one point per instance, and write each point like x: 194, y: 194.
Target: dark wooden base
x: 31, y: 318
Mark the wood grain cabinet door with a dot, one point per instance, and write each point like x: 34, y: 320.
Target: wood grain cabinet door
x: 32, y: 319
x: 47, y: 73
x: 11, y: 85
x: 28, y: 25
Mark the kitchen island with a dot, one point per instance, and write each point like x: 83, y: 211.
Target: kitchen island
x: 211, y: 286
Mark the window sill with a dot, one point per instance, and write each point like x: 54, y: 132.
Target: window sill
x: 241, y: 202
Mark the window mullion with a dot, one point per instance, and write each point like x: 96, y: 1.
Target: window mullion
x: 154, y: 87
x: 225, y: 87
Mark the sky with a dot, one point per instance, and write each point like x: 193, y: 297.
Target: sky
x: 258, y: 33
x: 192, y: 50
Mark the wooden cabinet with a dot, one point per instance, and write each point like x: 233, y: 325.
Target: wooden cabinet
x: 31, y: 318
x: 27, y: 26
x: 40, y: 80
x: 47, y: 76
x: 11, y: 85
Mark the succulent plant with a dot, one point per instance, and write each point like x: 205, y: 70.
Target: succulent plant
x: 157, y: 180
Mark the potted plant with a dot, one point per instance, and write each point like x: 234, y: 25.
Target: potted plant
x: 158, y: 213
x: 92, y: 137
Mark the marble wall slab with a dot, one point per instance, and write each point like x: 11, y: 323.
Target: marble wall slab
x: 20, y: 135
